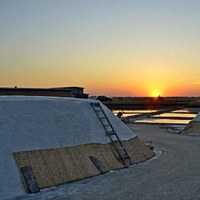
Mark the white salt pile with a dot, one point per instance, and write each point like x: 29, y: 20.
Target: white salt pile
x: 31, y: 123
x: 193, y: 127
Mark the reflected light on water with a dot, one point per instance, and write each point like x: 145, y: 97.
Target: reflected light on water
x: 176, y: 115
x: 162, y: 121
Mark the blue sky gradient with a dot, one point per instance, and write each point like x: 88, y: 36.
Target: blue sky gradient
x: 118, y: 48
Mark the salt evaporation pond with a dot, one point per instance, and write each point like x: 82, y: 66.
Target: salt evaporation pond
x: 175, y: 114
x: 174, y: 117
x: 165, y: 118
x: 181, y: 111
x: 163, y: 121
x: 128, y: 113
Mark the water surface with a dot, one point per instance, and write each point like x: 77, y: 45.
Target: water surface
x: 162, y: 121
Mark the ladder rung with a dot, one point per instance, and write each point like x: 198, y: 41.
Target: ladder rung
x: 126, y: 156
x: 111, y: 133
x: 98, y: 110
x: 122, y: 148
x: 102, y: 118
x: 107, y: 124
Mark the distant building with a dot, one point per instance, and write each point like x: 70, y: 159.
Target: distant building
x: 77, y: 92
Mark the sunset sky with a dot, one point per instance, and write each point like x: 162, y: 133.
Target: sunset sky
x: 109, y: 47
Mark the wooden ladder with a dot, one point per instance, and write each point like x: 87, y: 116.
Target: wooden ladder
x: 122, y: 153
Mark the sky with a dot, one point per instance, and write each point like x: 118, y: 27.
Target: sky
x: 109, y: 47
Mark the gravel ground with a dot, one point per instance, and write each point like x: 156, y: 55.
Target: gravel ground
x: 173, y: 174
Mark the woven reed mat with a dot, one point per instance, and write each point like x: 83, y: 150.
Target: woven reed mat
x: 61, y: 165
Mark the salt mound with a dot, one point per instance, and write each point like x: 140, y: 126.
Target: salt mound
x: 193, y: 127
x: 31, y: 123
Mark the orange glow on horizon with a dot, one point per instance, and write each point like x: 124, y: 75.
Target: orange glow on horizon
x: 155, y: 93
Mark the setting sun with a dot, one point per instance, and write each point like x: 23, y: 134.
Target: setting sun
x: 155, y: 93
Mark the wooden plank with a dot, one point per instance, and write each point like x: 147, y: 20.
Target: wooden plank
x: 30, y: 179
x: 98, y: 164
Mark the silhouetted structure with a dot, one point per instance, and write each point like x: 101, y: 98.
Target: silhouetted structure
x: 77, y: 92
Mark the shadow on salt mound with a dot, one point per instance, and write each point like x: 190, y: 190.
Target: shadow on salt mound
x: 193, y: 127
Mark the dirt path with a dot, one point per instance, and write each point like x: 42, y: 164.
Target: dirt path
x: 172, y: 175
